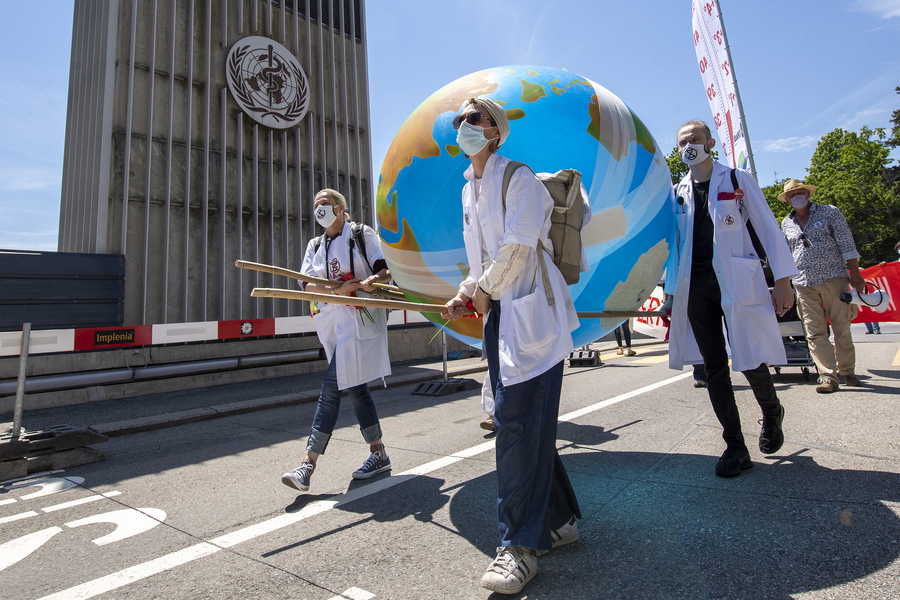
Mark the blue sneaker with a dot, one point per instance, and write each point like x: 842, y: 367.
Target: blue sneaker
x: 299, y: 477
x: 375, y: 464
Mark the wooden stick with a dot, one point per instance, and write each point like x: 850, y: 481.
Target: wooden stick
x: 418, y: 307
x: 616, y: 314
x: 389, y: 291
x: 348, y: 301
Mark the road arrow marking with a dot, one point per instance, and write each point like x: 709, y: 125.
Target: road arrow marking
x: 129, y: 522
x: 14, y: 551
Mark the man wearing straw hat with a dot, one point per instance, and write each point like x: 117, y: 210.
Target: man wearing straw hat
x: 528, y: 319
x: 826, y: 257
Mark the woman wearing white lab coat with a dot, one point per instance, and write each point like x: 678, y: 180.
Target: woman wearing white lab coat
x: 355, y: 341
x: 528, y: 317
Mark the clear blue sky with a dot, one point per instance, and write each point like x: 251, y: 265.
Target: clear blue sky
x: 804, y: 68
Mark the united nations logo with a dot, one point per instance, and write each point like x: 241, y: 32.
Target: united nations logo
x: 267, y: 82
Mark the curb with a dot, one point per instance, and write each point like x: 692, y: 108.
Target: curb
x: 195, y: 415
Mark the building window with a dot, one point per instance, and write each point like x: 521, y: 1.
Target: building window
x: 320, y: 11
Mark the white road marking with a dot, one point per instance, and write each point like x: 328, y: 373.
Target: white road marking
x: 129, y: 522
x: 30, y: 477
x: 5, y: 502
x: 49, y: 486
x: 141, y: 571
x: 80, y: 501
x: 595, y: 407
x: 17, y: 549
x: 135, y: 573
x: 17, y: 517
x: 354, y: 593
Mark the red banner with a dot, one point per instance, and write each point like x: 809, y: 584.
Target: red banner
x: 886, y: 277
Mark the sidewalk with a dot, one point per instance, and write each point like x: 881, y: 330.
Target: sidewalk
x: 144, y: 413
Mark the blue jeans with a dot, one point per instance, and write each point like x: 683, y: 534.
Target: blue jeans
x: 330, y: 403
x: 534, y: 494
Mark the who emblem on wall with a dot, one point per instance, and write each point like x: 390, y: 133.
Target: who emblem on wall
x: 267, y: 82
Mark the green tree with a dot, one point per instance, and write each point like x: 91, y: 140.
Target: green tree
x: 779, y: 209
x: 677, y: 168
x: 894, y: 140
x: 851, y: 171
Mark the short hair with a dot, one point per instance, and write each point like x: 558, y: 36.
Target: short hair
x: 337, y: 197
x: 698, y: 123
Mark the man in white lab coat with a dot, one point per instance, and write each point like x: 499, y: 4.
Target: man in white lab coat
x: 528, y: 319
x: 715, y: 275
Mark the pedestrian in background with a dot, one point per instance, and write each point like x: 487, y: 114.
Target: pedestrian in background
x: 826, y: 256
x: 621, y: 331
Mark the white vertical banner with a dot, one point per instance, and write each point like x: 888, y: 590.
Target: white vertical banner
x: 717, y: 71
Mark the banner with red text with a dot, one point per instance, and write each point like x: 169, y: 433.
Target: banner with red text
x: 656, y: 327
x: 717, y: 72
x: 885, y: 277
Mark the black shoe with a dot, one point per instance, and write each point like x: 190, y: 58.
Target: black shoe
x: 771, y: 437
x: 733, y: 462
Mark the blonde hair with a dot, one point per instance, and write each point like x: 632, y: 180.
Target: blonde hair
x: 337, y: 197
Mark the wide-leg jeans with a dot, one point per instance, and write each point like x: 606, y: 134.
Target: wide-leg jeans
x: 534, y: 495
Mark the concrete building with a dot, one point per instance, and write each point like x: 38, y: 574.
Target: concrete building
x: 168, y: 165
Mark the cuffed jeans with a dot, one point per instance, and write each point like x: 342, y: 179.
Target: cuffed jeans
x: 534, y: 495
x: 706, y: 317
x: 818, y: 305
x: 329, y: 405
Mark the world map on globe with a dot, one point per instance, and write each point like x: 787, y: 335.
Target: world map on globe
x: 558, y: 120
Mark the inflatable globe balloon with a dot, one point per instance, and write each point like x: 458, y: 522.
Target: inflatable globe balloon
x: 558, y: 120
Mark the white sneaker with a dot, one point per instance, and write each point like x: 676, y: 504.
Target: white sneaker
x: 563, y: 536
x: 513, y: 568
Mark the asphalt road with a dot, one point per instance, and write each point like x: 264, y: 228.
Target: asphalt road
x: 199, y: 511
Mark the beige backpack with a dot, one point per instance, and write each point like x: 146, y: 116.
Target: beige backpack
x: 565, y: 221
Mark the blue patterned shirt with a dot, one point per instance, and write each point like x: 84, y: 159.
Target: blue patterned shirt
x: 827, y: 248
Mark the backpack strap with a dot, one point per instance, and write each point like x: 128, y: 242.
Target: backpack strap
x: 511, y: 168
x: 356, y: 240
x: 757, y: 245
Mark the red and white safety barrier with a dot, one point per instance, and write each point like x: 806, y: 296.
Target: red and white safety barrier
x: 101, y: 338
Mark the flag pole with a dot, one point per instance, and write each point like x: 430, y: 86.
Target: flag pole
x: 737, y: 94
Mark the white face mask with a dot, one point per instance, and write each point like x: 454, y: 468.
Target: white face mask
x: 799, y: 201
x: 471, y: 138
x: 694, y: 154
x: 325, y: 215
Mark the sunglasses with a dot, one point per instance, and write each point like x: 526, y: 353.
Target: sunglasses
x: 805, y: 241
x: 473, y: 118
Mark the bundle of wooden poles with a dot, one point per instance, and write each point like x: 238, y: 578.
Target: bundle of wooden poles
x: 392, y: 297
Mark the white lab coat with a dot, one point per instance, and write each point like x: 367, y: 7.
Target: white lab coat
x: 753, y: 330
x: 533, y: 335
x: 360, y: 346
